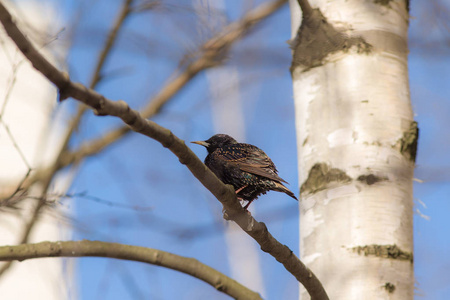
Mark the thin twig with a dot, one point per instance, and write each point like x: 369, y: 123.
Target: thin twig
x: 9, y: 89
x: 13, y: 140
x: 18, y: 194
x: 110, y: 41
x: 84, y: 195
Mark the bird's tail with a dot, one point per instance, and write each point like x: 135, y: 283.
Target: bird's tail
x: 281, y: 188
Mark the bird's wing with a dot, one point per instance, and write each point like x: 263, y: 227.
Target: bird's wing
x: 250, y: 159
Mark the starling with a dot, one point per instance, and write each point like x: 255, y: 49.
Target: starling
x: 246, y: 167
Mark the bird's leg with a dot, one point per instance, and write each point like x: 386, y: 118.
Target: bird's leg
x: 241, y: 188
x: 247, y: 205
x: 238, y: 190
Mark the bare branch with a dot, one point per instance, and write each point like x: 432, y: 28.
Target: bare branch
x: 84, y: 195
x: 137, y: 122
x: 112, y: 37
x: 87, y: 248
x: 97, y: 76
x: 14, y: 142
x: 18, y: 195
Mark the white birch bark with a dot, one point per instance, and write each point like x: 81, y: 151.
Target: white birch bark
x: 356, y: 141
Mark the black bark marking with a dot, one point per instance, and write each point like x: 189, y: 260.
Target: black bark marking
x: 383, y: 2
x: 371, y: 179
x: 389, y: 287
x: 384, y: 251
x: 408, y: 144
x: 320, y: 176
x: 388, y: 2
x: 316, y: 38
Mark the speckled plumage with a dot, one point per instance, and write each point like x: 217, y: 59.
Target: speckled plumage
x: 246, y: 167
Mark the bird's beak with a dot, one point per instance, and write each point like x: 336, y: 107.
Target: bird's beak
x: 203, y: 143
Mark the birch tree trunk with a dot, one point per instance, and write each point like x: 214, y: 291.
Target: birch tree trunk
x: 357, y: 145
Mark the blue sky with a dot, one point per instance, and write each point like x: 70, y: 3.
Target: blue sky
x: 184, y: 218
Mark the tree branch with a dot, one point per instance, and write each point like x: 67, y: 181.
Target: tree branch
x: 111, y: 39
x: 137, y: 122
x: 97, y: 76
x: 86, y: 248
